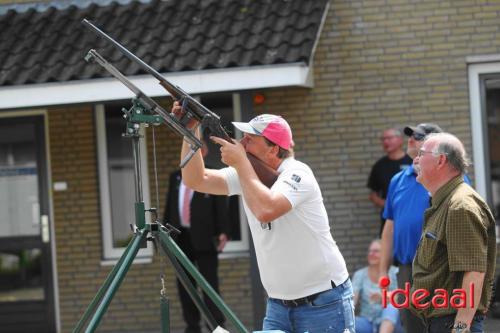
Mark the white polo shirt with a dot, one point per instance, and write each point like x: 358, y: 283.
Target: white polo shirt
x: 297, y: 257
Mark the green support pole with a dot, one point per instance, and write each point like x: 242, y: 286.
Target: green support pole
x: 100, y: 293
x: 186, y: 263
x: 140, y: 219
x: 117, y: 280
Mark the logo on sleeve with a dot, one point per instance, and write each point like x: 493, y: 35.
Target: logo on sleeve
x: 296, y: 178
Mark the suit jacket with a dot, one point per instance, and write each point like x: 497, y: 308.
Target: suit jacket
x: 209, y: 215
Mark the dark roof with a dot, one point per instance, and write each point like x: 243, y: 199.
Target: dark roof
x: 169, y: 35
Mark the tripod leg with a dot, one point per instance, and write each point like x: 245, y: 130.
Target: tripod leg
x: 138, y: 238
x: 100, y: 293
x: 172, y: 249
x: 190, y: 289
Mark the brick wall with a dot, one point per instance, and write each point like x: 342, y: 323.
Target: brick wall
x: 380, y: 64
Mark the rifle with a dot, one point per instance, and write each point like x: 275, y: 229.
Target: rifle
x: 193, y: 112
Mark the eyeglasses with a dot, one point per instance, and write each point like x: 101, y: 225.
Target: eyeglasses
x: 418, y: 136
x: 421, y: 152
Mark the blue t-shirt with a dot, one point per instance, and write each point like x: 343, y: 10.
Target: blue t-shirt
x: 405, y: 204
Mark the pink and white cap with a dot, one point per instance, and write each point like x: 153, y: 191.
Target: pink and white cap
x: 272, y: 127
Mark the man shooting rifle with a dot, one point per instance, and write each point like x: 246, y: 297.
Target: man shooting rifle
x: 300, y: 264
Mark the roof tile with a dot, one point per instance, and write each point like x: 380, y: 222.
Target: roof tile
x: 171, y: 36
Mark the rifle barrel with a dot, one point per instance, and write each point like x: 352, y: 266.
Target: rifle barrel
x: 172, y: 89
x: 126, y: 52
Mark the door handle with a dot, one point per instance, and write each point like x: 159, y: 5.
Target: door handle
x: 35, y: 213
x: 44, y: 219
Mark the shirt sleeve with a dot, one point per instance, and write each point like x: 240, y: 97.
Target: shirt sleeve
x: 393, y: 277
x: 297, y: 185
x: 388, y: 212
x: 232, y: 181
x: 357, y: 281
x: 372, y: 181
x: 467, y: 240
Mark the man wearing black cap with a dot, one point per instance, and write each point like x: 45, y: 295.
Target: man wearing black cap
x: 404, y: 213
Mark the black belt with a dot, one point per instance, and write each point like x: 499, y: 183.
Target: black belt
x: 292, y: 303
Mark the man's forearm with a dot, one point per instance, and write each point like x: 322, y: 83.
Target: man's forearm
x: 465, y: 315
x: 192, y: 173
x: 377, y: 200
x: 386, y: 247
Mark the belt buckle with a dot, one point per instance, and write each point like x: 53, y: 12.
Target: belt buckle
x: 297, y: 302
x: 291, y: 303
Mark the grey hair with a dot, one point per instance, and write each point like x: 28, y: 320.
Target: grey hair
x: 452, y: 147
x: 397, y: 131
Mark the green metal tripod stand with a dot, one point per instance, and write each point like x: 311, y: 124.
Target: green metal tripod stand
x: 160, y: 234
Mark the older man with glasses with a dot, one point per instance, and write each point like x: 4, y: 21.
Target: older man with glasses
x: 458, y: 244
x: 404, y: 213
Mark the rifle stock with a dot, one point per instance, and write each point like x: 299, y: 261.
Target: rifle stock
x: 194, y: 112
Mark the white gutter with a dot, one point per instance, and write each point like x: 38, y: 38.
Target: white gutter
x: 193, y: 82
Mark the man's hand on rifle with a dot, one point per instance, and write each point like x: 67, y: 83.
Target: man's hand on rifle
x: 178, y: 112
x: 232, y: 153
x: 222, y: 241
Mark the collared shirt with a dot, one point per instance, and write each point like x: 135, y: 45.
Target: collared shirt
x: 458, y: 236
x: 405, y: 204
x: 182, y: 191
x: 297, y: 257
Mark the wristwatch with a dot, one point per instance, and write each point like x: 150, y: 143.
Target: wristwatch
x: 460, y: 327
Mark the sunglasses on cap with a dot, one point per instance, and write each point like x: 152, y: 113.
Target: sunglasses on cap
x: 418, y: 136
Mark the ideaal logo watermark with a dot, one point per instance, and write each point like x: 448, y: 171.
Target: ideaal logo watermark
x: 440, y: 299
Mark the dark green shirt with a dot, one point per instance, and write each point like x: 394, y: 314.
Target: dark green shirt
x: 458, y: 236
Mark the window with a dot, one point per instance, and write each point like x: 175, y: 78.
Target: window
x: 116, y: 180
x: 484, y: 91
x: 228, y: 107
x: 492, y: 105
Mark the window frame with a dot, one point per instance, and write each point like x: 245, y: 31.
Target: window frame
x: 111, y: 254
x: 241, y: 247
x: 479, y: 68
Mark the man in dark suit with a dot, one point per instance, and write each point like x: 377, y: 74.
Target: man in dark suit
x: 204, y: 223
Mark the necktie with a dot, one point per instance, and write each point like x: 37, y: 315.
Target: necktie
x: 186, y: 207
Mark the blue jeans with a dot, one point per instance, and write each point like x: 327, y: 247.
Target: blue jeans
x: 331, y: 311
x: 364, y: 325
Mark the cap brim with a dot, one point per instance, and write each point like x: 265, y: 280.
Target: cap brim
x: 408, y: 130
x: 246, y: 128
